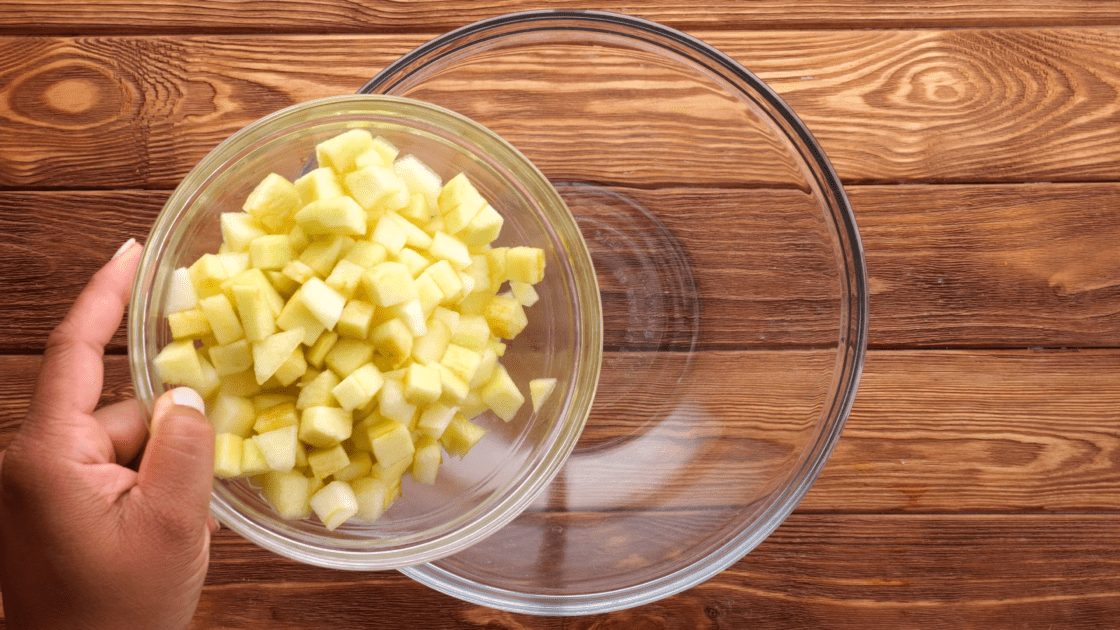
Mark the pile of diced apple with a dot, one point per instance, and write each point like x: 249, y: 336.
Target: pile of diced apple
x: 350, y: 328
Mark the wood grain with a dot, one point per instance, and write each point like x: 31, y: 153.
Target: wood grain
x: 1014, y: 266
x: 937, y: 106
x: 26, y: 17
x: 931, y: 431
x: 835, y: 571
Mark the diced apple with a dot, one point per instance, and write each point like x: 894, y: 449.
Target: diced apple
x: 273, y: 202
x: 501, y: 394
x: 393, y: 340
x: 418, y: 178
x: 426, y: 460
x: 239, y: 229
x: 360, y: 464
x: 524, y: 292
x: 298, y: 271
x: 189, y: 324
x: 181, y: 295
x: 367, y: 254
x: 430, y: 347
x: 270, y: 353
x: 325, y: 426
x: 435, y: 418
x: 459, y: 202
x: 223, y: 320
x: 356, y: 319
x: 321, y: 183
x: 483, y: 228
x: 422, y: 384
x: 473, y: 332
x: 318, y: 392
x: 276, y: 417
x: 347, y: 355
x: 485, y: 371
x: 232, y: 414
x: 451, y: 249
x: 321, y: 255
x: 255, y: 278
x: 506, y: 316
x: 253, y: 461
x: 178, y: 364
x: 392, y: 403
x: 414, y: 260
x: 391, y: 442
x: 292, y: 369
x: 227, y: 455
x: 419, y: 209
x: 389, y: 283
x: 239, y: 384
x: 323, y: 302
x: 257, y: 320
x: 287, y: 493
x: 446, y: 278
x: 460, y: 436
x: 340, y: 215
x: 373, y: 187
x: 296, y: 316
x: 207, y: 274
x: 325, y: 462
x: 279, y: 447
x: 540, y: 389
x: 525, y: 264
x: 359, y: 388
x: 372, y: 495
x: 341, y: 151
x: 317, y: 353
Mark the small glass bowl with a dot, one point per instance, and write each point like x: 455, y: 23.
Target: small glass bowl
x: 735, y: 301
x: 477, y: 495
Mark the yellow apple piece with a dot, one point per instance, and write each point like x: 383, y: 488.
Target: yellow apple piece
x: 227, y: 455
x: 317, y: 392
x: 426, y: 460
x: 389, y: 283
x: 320, y: 183
x: 334, y: 504
x: 506, y: 316
x: 338, y: 215
x: 539, y: 390
x: 253, y: 461
x: 287, y: 493
x: 372, y: 494
x: 189, y: 324
x: 257, y: 320
x: 359, y: 388
x: 181, y: 295
x: 460, y: 436
x: 325, y: 462
x: 325, y: 426
x: 279, y: 447
x: 233, y: 358
x: 340, y: 152
x: 178, y: 364
x: 391, y: 442
x: 273, y: 202
x: 323, y: 302
x: 271, y: 352
x: 501, y: 394
x: 232, y: 414
x: 223, y: 320
x: 277, y: 416
x: 360, y: 465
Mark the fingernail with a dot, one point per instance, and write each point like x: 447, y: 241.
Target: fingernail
x: 129, y: 243
x: 187, y: 397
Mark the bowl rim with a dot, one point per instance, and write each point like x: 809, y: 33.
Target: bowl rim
x: 588, y: 335
x: 852, y: 345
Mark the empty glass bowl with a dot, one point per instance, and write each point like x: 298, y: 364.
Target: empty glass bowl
x: 734, y: 301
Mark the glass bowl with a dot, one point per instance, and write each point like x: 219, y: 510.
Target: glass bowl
x: 502, y: 474
x: 734, y: 297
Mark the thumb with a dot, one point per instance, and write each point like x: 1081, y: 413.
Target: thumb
x: 176, y: 473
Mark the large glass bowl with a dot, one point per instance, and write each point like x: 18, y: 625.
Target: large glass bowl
x: 734, y: 295
x: 486, y: 489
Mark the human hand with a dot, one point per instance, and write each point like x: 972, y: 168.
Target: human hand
x: 86, y: 542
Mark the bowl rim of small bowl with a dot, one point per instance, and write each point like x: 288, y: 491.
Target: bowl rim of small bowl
x: 515, y: 496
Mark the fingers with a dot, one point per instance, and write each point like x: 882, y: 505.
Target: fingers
x: 70, y: 377
x: 124, y: 423
x: 175, y: 473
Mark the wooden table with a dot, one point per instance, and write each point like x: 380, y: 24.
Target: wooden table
x: 977, y: 484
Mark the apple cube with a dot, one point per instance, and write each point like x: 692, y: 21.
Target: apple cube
x: 292, y: 369
x: 321, y: 255
x: 345, y: 277
x: 239, y: 384
x: 392, y: 403
x: 356, y: 319
x: 539, y: 390
x: 430, y: 347
x: 340, y: 215
x: 390, y: 233
x: 483, y: 228
x: 223, y: 320
x: 524, y: 292
x: 232, y: 414
x: 373, y: 187
x: 393, y: 340
x: 181, y: 295
x: 485, y: 371
x: 239, y: 229
x: 347, y: 355
x: 418, y: 178
x: 227, y: 455
x: 446, y: 278
x: 325, y: 426
x: 389, y: 283
x: 525, y: 264
x: 359, y: 388
x: 459, y: 201
x: 334, y: 504
x: 473, y: 332
x: 276, y: 417
x: 435, y: 418
x: 273, y: 202
x: 340, y: 151
x: 321, y: 183
x: 317, y: 353
x: 463, y: 362
x: 373, y: 495
x: 449, y: 318
x: 207, y: 274
x: 325, y: 462
x: 287, y: 493
x: 178, y: 364
x: 190, y: 324
x: 257, y: 320
x: 252, y: 459
x: 502, y: 395
x: 391, y: 442
x: 271, y: 352
x: 323, y: 302
x: 367, y: 254
x: 460, y: 436
x: 479, y: 271
x: 426, y: 460
x: 428, y: 293
x: 360, y: 465
x: 414, y: 260
x: 279, y: 447
x: 418, y: 210
x: 296, y: 316
x: 422, y: 384
x: 411, y: 314
x: 454, y: 389
x: 317, y: 392
x: 506, y: 316
x: 451, y: 249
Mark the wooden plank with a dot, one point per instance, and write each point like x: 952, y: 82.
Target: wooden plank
x: 887, y: 106
x: 38, y: 17
x: 835, y: 571
x: 931, y: 431
x: 950, y: 266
